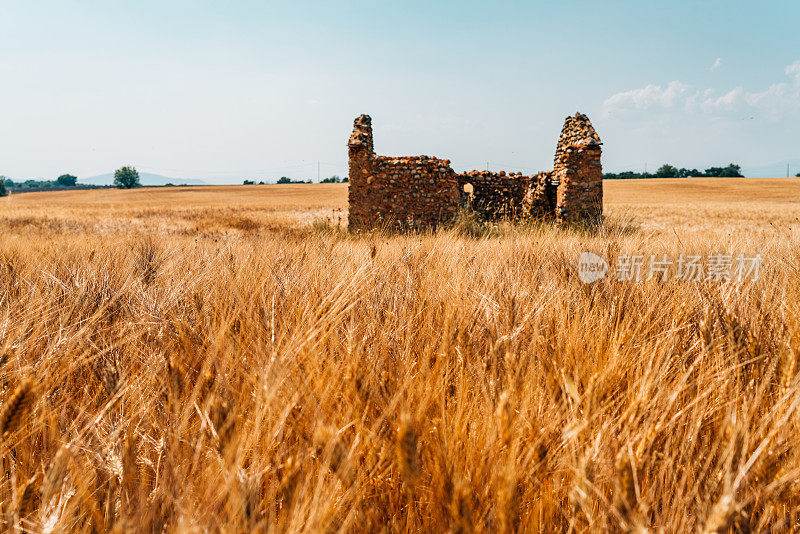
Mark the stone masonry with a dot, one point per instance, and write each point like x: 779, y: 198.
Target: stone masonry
x: 412, y: 192
x: 578, y: 174
x: 495, y: 196
x: 421, y: 191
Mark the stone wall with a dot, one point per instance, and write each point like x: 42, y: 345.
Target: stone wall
x: 495, y: 196
x: 540, y: 199
x: 362, y: 153
x: 402, y: 192
x: 421, y: 191
x: 577, y: 173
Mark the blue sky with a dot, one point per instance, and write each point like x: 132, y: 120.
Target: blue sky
x: 239, y: 89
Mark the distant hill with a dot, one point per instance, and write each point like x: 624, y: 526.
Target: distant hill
x: 144, y: 177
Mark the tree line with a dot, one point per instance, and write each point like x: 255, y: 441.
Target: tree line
x: 124, y: 178
x: 65, y: 180
x: 286, y: 180
x: 669, y: 171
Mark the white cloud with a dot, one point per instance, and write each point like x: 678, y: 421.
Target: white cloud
x: 716, y: 64
x: 771, y: 103
x: 793, y: 70
x: 648, y: 97
x: 730, y: 101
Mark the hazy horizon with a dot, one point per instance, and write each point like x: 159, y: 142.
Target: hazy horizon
x: 195, y: 90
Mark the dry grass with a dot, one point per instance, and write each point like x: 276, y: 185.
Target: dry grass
x: 188, y: 211
x: 166, y: 366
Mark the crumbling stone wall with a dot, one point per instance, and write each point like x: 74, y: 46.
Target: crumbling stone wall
x: 578, y: 174
x: 495, y: 195
x: 405, y: 192
x: 513, y: 197
x: 421, y: 191
x: 540, y: 199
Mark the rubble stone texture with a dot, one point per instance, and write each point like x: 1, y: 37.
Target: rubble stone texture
x: 496, y: 196
x: 421, y: 191
x: 578, y: 174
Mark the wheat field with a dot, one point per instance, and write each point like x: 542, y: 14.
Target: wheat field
x: 231, y: 359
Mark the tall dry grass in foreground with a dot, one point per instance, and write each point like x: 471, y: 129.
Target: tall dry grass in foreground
x: 308, y: 380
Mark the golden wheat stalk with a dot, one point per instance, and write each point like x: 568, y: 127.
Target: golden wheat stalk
x: 16, y: 407
x: 28, y: 495
x: 406, y: 449
x: 721, y: 516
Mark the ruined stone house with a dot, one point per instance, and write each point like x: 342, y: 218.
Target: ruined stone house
x: 422, y: 191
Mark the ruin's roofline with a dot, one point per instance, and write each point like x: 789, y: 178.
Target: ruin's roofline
x: 493, y: 173
x: 412, y: 159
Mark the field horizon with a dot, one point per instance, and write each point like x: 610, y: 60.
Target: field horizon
x: 664, y: 200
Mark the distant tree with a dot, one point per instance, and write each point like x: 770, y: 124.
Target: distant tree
x: 331, y: 180
x: 126, y: 178
x: 666, y: 171
x: 797, y: 175
x: 67, y: 180
x: 345, y: 179
x: 37, y: 184
x: 625, y: 175
x: 735, y: 171
x: 248, y: 182
x: 285, y: 180
x: 3, y: 190
x: 731, y: 171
